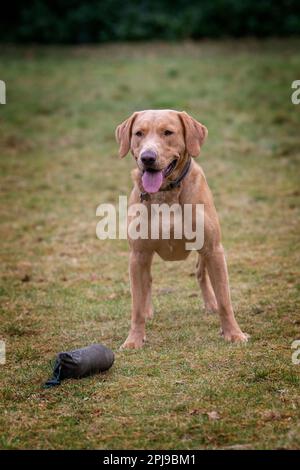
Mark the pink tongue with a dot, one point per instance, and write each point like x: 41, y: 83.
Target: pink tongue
x: 152, y: 181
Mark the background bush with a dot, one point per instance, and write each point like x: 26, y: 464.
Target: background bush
x: 75, y: 21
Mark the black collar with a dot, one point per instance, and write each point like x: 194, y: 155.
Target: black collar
x: 144, y: 196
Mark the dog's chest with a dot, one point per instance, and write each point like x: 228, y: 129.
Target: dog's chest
x: 172, y: 250
x: 160, y: 223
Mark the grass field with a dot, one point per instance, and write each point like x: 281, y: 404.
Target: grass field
x: 62, y: 288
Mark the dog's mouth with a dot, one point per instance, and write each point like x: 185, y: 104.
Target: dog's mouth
x: 167, y: 171
x: 153, y: 179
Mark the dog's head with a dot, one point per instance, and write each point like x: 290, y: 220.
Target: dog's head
x: 159, y: 140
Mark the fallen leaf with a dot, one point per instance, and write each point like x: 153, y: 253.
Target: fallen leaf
x: 213, y: 415
x: 238, y: 447
x: 112, y: 296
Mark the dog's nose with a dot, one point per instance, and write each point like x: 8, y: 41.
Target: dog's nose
x: 148, y: 157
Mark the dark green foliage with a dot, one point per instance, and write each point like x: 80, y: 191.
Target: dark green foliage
x: 75, y: 21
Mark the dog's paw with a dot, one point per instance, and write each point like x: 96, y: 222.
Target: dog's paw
x: 133, y: 342
x: 235, y: 336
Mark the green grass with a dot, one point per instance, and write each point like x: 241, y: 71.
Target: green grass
x: 62, y: 288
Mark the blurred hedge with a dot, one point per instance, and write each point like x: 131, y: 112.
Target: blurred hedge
x: 75, y: 21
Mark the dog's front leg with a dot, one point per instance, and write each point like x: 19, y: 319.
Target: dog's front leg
x: 140, y: 281
x: 217, y: 269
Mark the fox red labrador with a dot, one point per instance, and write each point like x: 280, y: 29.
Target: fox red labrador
x: 163, y: 144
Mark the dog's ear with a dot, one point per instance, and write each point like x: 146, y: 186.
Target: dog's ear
x: 123, y: 135
x: 194, y: 133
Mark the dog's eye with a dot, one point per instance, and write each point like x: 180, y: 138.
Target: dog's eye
x: 167, y: 132
x: 139, y: 133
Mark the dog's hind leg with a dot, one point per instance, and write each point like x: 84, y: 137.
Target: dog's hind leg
x: 149, y: 307
x: 203, y: 279
x: 217, y: 269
